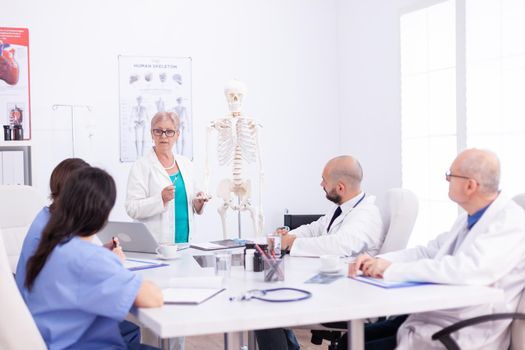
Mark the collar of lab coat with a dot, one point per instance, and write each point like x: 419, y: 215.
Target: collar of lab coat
x: 348, y: 206
x: 156, y: 162
x: 461, y: 223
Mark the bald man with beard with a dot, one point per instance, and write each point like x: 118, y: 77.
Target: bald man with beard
x: 352, y: 226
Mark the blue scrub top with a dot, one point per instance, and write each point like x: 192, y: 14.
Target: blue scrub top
x: 31, y: 242
x: 182, y: 228
x: 80, y: 296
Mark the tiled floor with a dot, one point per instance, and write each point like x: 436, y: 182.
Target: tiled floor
x: 215, y: 342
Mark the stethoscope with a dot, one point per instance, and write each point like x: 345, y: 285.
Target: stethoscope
x: 261, y: 294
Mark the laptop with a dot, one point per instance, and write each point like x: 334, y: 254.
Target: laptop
x: 133, y: 236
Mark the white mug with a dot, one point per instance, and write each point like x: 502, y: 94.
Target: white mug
x: 167, y: 251
x: 329, y: 263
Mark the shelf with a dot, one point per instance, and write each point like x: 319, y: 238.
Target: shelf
x: 22, y: 143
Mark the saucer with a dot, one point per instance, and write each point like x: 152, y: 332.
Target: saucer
x: 335, y: 270
x: 162, y: 257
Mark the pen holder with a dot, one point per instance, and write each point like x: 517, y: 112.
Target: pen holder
x: 274, y: 270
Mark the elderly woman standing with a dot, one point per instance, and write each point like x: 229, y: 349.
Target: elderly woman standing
x: 161, y: 185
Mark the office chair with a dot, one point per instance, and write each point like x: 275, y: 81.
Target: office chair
x: 517, y: 332
x: 18, y: 208
x: 517, y: 328
x: 17, y: 328
x: 520, y: 199
x: 293, y: 221
x: 399, y: 214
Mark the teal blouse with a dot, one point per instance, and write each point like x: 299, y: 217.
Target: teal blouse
x: 182, y: 229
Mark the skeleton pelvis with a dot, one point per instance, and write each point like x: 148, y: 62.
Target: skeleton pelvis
x: 227, y: 187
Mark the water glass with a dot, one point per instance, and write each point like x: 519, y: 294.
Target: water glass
x: 223, y: 264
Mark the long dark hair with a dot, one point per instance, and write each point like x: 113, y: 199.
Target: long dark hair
x: 83, y: 209
x: 60, y: 174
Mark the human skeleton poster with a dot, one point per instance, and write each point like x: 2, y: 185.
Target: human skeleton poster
x: 148, y: 85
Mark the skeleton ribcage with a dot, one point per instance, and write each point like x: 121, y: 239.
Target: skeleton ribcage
x: 236, y: 140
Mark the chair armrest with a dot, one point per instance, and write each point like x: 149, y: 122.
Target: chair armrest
x: 444, y: 335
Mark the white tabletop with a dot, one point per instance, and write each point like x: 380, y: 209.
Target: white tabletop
x: 344, y: 299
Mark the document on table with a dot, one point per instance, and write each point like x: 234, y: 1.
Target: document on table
x: 191, y: 296
x: 222, y: 244
x: 135, y: 264
x: 379, y: 282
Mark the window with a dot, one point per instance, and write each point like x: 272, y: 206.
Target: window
x: 428, y: 114
x: 495, y: 81
x: 491, y: 57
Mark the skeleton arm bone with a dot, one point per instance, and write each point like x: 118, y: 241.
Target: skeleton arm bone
x: 261, y: 178
x: 209, y: 129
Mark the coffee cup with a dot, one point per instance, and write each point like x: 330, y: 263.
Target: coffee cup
x: 167, y: 251
x: 329, y: 263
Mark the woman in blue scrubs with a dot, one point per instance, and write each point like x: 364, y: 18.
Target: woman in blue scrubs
x: 78, y: 292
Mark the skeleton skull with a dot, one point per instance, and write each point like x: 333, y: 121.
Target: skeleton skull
x: 235, y: 91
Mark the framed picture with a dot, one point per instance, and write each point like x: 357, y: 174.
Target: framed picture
x: 14, y: 80
x: 148, y: 85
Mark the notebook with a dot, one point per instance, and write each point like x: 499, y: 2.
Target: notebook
x: 135, y: 264
x: 388, y: 284
x: 222, y: 244
x: 189, y: 296
x: 132, y: 236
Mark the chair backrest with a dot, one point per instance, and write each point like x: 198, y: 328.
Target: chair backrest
x: 17, y: 328
x: 18, y: 207
x: 518, y: 326
x: 520, y: 199
x: 399, y: 215
x: 293, y: 221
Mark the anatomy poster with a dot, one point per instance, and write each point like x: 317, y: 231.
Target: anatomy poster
x: 149, y: 85
x: 14, y: 79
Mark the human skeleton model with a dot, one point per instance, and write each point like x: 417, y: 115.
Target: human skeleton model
x: 140, y: 119
x: 238, y: 142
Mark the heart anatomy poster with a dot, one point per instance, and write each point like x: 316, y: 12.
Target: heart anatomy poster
x: 148, y: 85
x: 14, y: 79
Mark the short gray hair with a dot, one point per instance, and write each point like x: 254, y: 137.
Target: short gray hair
x: 171, y: 116
x: 484, y: 167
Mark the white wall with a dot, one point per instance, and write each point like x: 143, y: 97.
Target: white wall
x: 285, y: 51
x: 369, y: 89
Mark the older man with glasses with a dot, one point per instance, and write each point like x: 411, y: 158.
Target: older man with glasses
x: 485, y: 246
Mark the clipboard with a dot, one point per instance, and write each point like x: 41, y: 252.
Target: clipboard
x: 378, y: 282
x: 189, y: 296
x: 222, y: 244
x: 135, y: 264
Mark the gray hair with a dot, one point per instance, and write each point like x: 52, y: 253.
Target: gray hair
x: 348, y: 169
x: 484, y: 167
x: 171, y: 116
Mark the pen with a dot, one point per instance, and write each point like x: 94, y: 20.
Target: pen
x: 115, y: 242
x: 272, y: 264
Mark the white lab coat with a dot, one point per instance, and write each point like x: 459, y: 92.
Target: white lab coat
x: 146, y: 181
x: 492, y: 254
x: 355, y: 230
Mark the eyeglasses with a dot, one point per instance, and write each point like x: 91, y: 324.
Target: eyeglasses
x: 448, y: 175
x: 168, y: 132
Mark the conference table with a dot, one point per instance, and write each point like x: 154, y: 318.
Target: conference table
x: 344, y: 299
